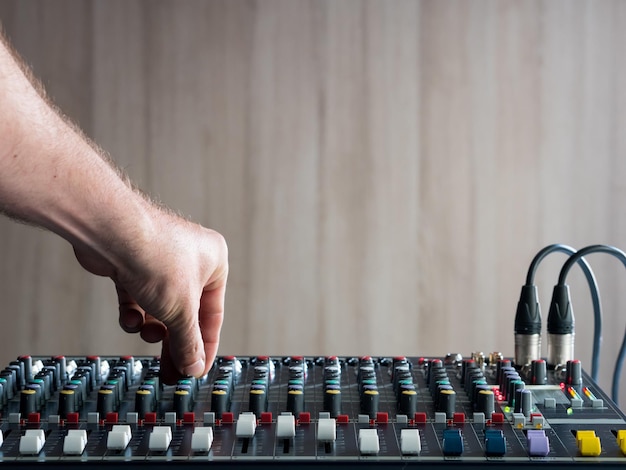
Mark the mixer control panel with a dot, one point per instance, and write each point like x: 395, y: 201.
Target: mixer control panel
x: 451, y: 411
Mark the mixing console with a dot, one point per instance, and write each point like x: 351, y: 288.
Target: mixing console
x: 337, y: 411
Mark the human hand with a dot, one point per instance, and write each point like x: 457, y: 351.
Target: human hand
x: 170, y: 274
x: 170, y: 287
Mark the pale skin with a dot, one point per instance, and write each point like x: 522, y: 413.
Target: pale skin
x: 169, y: 273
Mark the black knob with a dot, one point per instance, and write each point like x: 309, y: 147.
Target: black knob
x: 444, y: 385
x: 475, y: 384
x: 485, y: 402
x: 18, y: 367
x: 509, y: 377
x: 538, y: 372
x: 182, y: 402
x: 153, y: 380
x: 28, y: 401
x: 258, y: 399
x: 89, y: 372
x: 81, y: 381
x: 500, y: 364
x: 477, y: 389
x: 61, y: 364
x: 502, y: 374
x: 27, y: 362
x: 124, y: 368
x: 401, y: 374
x: 398, y: 364
x: 187, y: 388
x: 465, y: 366
x: 436, y: 381
x: 52, y: 373
x: 96, y: 365
x: 332, y: 400
x: 435, y: 365
x: 369, y: 401
x: 523, y: 401
x: 106, y: 401
x: 120, y: 373
x: 10, y: 385
x: 67, y: 403
x: 117, y: 386
x: 144, y: 400
x: 295, y: 401
x: 514, y: 386
x: 78, y: 397
x: 44, y: 388
x: 190, y: 384
x: 407, y: 400
x: 54, y: 369
x: 446, y: 402
x: 470, y: 376
x: 220, y: 401
x: 45, y: 379
x: 37, y: 386
x: 574, y: 372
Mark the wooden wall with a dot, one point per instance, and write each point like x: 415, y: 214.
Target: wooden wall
x: 383, y: 171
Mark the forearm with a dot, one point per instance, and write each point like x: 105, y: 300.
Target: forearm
x: 170, y: 274
x: 51, y: 176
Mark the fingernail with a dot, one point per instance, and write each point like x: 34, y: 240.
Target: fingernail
x: 196, y: 369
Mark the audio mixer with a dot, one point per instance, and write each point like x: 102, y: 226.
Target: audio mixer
x: 442, y: 412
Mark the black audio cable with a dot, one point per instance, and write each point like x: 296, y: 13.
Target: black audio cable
x: 619, y: 254
x: 617, y: 371
x: 528, y: 315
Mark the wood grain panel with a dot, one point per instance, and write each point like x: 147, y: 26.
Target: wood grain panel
x: 369, y: 177
x: 479, y: 156
x: 383, y: 171
x: 46, y: 296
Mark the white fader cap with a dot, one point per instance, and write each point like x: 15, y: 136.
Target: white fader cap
x: 75, y: 442
x: 285, y: 426
x: 410, y: 443
x: 368, y: 441
x: 326, y: 430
